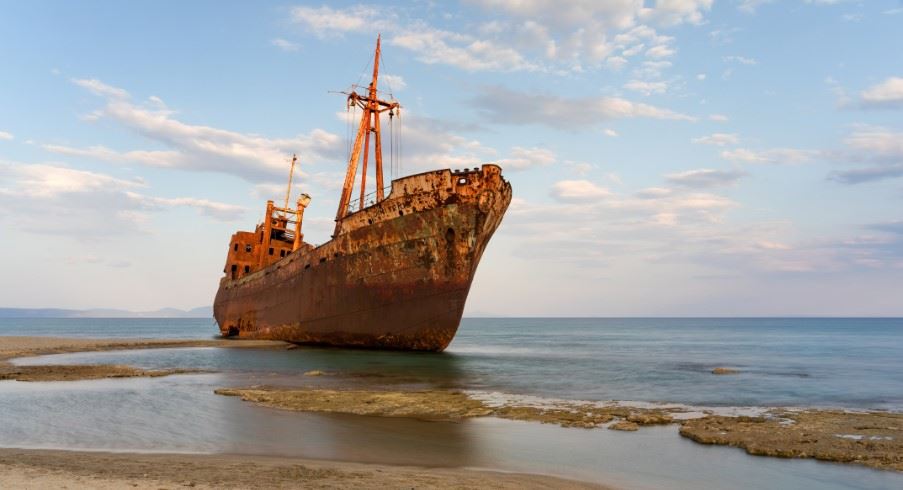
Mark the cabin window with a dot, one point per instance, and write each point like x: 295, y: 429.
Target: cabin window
x: 234, y: 270
x: 247, y: 269
x: 261, y: 237
x: 323, y: 260
x: 400, y: 212
x: 282, y: 253
x: 271, y: 250
x: 462, y: 181
x: 235, y: 247
x: 248, y: 248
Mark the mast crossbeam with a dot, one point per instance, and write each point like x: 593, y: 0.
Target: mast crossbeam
x: 372, y: 107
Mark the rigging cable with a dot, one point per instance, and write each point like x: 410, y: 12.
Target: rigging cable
x: 391, y: 145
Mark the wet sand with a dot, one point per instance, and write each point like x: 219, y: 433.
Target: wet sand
x: 22, y: 346
x: 12, y: 347
x: 77, y: 372
x: 77, y: 469
x: 873, y: 439
x: 24, y: 468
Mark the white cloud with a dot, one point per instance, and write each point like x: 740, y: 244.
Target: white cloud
x: 651, y: 69
x: 880, y: 148
x: 198, y: 147
x: 217, y: 210
x: 285, y: 45
x: 877, y: 141
x: 718, y: 139
x: 741, y: 60
x: 99, y: 88
x: 615, y: 62
x: 99, y: 152
x: 647, y: 88
x: 526, y: 158
x: 6, y: 136
x: 503, y: 105
x: 778, y: 156
x: 750, y: 6
x: 521, y: 35
x: 325, y: 21
x: 718, y: 118
x: 50, y: 181
x: 672, y: 12
x: 887, y: 94
x: 611, y: 133
x: 84, y: 204
x: 434, y: 46
x: 394, y: 82
x: 578, y: 191
x: 660, y: 51
x: 705, y: 178
x: 701, y: 76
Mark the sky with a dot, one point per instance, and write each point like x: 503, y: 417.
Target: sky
x: 668, y: 158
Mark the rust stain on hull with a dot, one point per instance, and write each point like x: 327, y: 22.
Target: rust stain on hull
x: 396, y: 274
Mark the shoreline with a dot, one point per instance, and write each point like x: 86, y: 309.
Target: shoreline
x: 13, y: 347
x: 60, y: 468
x: 869, y: 438
x: 54, y: 468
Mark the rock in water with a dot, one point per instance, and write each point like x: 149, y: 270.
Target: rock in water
x: 724, y: 370
x: 624, y: 425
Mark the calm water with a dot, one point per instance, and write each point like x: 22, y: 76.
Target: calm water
x: 837, y: 362
x: 852, y: 363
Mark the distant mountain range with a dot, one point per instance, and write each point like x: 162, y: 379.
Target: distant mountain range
x: 199, y: 312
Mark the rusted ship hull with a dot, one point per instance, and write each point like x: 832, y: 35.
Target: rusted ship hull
x: 396, y: 274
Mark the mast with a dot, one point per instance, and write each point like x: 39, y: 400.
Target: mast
x: 291, y: 170
x: 372, y: 107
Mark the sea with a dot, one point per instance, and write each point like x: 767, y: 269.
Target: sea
x: 849, y: 363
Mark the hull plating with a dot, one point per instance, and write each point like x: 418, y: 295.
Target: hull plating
x: 396, y: 275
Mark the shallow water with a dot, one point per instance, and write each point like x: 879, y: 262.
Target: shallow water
x: 852, y: 363
x: 182, y: 414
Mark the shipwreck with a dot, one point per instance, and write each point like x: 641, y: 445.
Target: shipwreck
x: 397, y: 270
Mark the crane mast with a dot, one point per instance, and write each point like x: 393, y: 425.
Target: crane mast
x: 372, y: 107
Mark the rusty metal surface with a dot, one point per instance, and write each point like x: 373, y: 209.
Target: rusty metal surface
x: 396, y: 274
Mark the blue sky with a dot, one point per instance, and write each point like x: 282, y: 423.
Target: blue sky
x: 679, y: 157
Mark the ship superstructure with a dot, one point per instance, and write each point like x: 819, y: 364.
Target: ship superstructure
x: 397, y: 270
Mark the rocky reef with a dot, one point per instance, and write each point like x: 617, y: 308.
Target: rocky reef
x: 870, y: 438
x: 443, y: 405
x: 57, y: 372
x: 873, y: 439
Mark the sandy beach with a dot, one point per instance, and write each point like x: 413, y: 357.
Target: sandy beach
x: 829, y: 435
x: 97, y: 470
x: 22, y: 468
x: 24, y: 346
